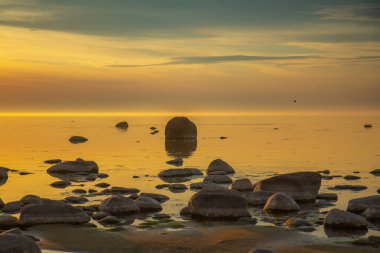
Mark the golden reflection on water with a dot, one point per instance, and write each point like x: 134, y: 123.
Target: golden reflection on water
x: 257, y: 147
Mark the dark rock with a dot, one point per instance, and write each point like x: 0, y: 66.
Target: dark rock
x: 12, y: 207
x: 218, y: 179
x: 61, y: 184
x: 372, y: 213
x: 242, y: 185
x: 122, y: 125
x: 351, y: 177
x: 359, y: 205
x: 15, y: 243
x: 176, y: 162
x: 123, y: 190
x: 8, y: 221
x: 328, y: 196
x: 102, y: 185
x: 79, y: 191
x: 75, y: 166
x: 180, y: 128
x: 348, y: 187
x: 118, y: 205
x: 341, y: 219
x: 102, y: 175
x: 77, y: 139
x: 53, y: 161
x: 325, y: 172
x: 301, y: 186
x: 219, y: 165
x: 30, y: 199
x: 162, y: 186
x: 258, y: 198
x: 76, y: 200
x: 159, y: 197
x: 261, y: 251
x: 148, y: 204
x: 185, y: 172
x: 281, y: 202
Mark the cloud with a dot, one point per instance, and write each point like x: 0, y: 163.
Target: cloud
x: 358, y: 12
x: 189, y: 60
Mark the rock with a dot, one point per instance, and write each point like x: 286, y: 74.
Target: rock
x: 258, y: 198
x: 102, y: 175
x: 351, y: 177
x: 100, y: 215
x: 261, y: 251
x: 301, y: 186
x: 159, y: 197
x: 213, y: 186
x: 122, y: 125
x: 219, y: 165
x: 61, y: 184
x: 118, y: 205
x: 242, y: 185
x: 148, y: 204
x: 8, y: 221
x: 185, y: 172
x: 328, y: 196
x: 75, y: 166
x: 53, y: 161
x: 76, y: 200
x: 227, y: 204
x: 123, y: 190
x: 176, y: 162
x: 323, y: 203
x: 51, y: 212
x: 3, y: 173
x: 359, y: 205
x: 15, y: 243
x: 77, y: 139
x: 325, y: 172
x: 109, y: 220
x: 79, y: 191
x: 161, y: 216
x: 247, y: 220
x: 24, y: 173
x: 375, y: 172
x: 102, y: 185
x: 341, y: 219
x: 372, y: 213
x: 177, y: 187
x: 348, y: 187
x: 180, y: 128
x: 12, y: 207
x: 217, y: 173
x: 92, y: 191
x: 1, y: 204
x: 218, y: 179
x: 281, y: 202
x: 162, y: 186
x: 196, y: 186
x: 296, y: 222
x: 30, y: 199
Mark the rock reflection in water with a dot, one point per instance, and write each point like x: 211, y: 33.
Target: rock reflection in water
x: 180, y: 148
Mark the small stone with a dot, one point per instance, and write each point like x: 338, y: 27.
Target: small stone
x: 79, y: 191
x: 242, y: 185
x: 53, y: 161
x: 109, y: 220
x: 102, y: 175
x: 348, y: 187
x: 76, y: 200
x: 77, y: 139
x: 351, y: 177
x: 102, y: 185
x: 220, y: 165
x: 123, y: 190
x: 118, y: 205
x: 122, y: 125
x: 61, y: 184
x: 30, y: 199
x: 328, y: 196
x: 175, y: 162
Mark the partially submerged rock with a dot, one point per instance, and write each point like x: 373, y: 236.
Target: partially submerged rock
x: 176, y: 162
x: 180, y: 128
x: 122, y: 125
x: 78, y: 166
x: 328, y: 196
x: 258, y: 198
x: 227, y: 204
x: 30, y: 199
x: 375, y: 172
x: 281, y: 202
x: 185, y: 172
x: 53, y: 161
x: 242, y: 185
x: 16, y: 243
x: 344, y: 220
x: 8, y: 221
x: 301, y: 186
x: 148, y: 204
x: 372, y: 213
x: 52, y: 212
x: 61, y: 184
x: 77, y: 139
x: 159, y: 197
x: 118, y: 205
x: 124, y: 190
x: 218, y: 179
x: 359, y: 205
x: 219, y: 165
x: 348, y: 187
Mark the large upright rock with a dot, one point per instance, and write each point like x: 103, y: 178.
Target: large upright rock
x: 118, y: 205
x: 78, y: 166
x: 359, y: 205
x: 218, y: 165
x: 341, y: 219
x: 180, y: 128
x: 52, y: 212
x: 301, y: 186
x: 16, y: 243
x: 227, y: 204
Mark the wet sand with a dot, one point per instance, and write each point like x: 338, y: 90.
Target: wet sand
x: 193, y: 239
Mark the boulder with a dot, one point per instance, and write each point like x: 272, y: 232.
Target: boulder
x: 328, y: 196
x: 148, y: 204
x: 159, y: 197
x: 348, y: 187
x: 77, y: 139
x: 281, y: 202
x: 242, y: 185
x: 8, y: 221
x: 102, y: 185
x: 180, y: 128
x: 351, y: 177
x: 226, y: 204
x: 79, y: 191
x: 258, y: 198
x: 218, y: 179
x: 185, y: 172
x: 12, y: 207
x: 118, y: 205
x: 16, y: 243
x: 340, y: 219
x: 76, y: 200
x: 52, y: 212
x: 79, y: 165
x: 301, y: 186
x: 219, y: 165
x: 122, y: 125
x: 359, y: 205
x: 30, y: 199
x: 372, y: 213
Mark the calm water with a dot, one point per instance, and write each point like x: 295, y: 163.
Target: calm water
x: 257, y: 147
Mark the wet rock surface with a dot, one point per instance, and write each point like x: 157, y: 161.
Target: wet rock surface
x: 359, y: 205
x: 17, y: 243
x: 118, y: 205
x: 281, y: 202
x: 344, y: 220
x: 78, y: 166
x: 180, y: 128
x: 219, y: 165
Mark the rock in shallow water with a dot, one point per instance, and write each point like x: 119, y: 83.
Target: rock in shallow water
x: 15, y: 243
x: 226, y: 204
x: 79, y: 165
x: 218, y: 179
x: 122, y: 125
x: 242, y: 185
x: 77, y: 139
x: 159, y: 197
x: 328, y: 196
x: 372, y: 213
x: 348, y: 187
x: 148, y: 204
x: 185, y: 172
x: 175, y: 162
x: 258, y: 198
x: 219, y: 165
x: 8, y: 221
x: 344, y: 220
x: 281, y: 202
x: 301, y: 186
x: 359, y: 205
x: 180, y: 128
x: 53, y: 161
x: 52, y: 212
x: 118, y: 205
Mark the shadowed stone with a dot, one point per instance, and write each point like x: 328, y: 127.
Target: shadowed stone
x: 359, y: 205
x: 75, y: 166
x: 219, y: 165
x: 341, y: 219
x: 77, y: 139
x: 118, y: 205
x: 281, y: 202
x: 122, y: 125
x: 242, y: 185
x: 148, y: 204
x: 180, y: 128
x: 15, y: 243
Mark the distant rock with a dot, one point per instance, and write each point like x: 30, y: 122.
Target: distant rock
x: 359, y: 205
x: 375, y: 172
x: 124, y: 190
x: 242, y: 185
x: 159, y: 197
x: 61, y: 184
x: 177, y: 187
x: 225, y: 204
x: 258, y: 198
x: 348, y: 187
x: 16, y: 243
x: 372, y: 213
x: 185, y: 172
x: 148, y: 204
x: 52, y: 212
x: 103, y: 175
x: 180, y: 128
x: 301, y: 186
x: 176, y: 162
x: 79, y: 165
x: 218, y: 179
x: 344, y: 220
x: 281, y: 202
x: 118, y: 205
x: 351, y: 177
x: 30, y: 199
x: 122, y: 125
x: 219, y: 165
x: 53, y: 161
x: 77, y: 139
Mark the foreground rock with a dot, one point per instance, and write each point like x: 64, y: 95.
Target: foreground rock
x: 258, y: 198
x: 242, y: 185
x: 78, y: 166
x: 227, y: 204
x: 16, y: 243
x: 77, y: 139
x: 281, y: 202
x: 180, y: 128
x: 219, y: 165
x: 372, y: 213
x: 148, y: 204
x: 52, y: 212
x: 118, y: 205
x: 301, y: 186
x: 8, y: 221
x: 122, y: 125
x: 359, y: 205
x: 344, y: 220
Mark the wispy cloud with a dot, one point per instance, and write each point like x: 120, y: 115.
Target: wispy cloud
x: 188, y: 60
x: 358, y: 12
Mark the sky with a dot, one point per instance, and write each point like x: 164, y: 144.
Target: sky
x: 189, y: 56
